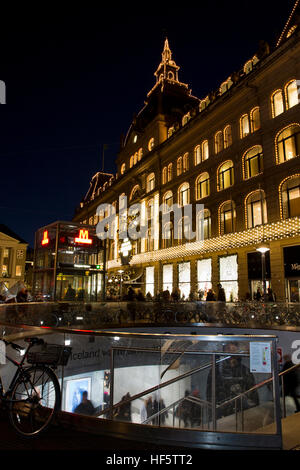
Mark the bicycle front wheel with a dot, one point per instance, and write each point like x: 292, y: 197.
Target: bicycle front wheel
x: 34, y: 400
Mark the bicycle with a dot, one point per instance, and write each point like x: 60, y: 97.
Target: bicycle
x: 33, y: 396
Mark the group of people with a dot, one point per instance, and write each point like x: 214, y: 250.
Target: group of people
x: 152, y: 407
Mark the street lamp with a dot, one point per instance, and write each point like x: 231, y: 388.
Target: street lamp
x: 263, y: 248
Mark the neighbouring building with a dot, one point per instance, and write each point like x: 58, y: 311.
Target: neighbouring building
x: 236, y: 151
x: 12, y: 257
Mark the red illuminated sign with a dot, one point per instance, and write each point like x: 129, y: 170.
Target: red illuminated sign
x: 45, y: 240
x: 84, y: 237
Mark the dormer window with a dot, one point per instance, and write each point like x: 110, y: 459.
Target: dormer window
x: 186, y: 119
x: 151, y: 144
x: 123, y: 168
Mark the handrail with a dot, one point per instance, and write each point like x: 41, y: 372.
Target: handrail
x: 158, y: 387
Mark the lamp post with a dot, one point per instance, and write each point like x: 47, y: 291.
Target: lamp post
x: 263, y: 248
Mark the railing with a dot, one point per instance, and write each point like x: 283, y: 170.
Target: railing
x: 101, y: 314
x: 114, y: 363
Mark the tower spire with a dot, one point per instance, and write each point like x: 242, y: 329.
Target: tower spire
x: 167, y: 69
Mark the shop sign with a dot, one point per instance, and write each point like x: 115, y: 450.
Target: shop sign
x: 45, y: 240
x: 83, y: 237
x: 291, y: 256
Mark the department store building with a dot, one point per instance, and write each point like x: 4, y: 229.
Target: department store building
x: 236, y: 152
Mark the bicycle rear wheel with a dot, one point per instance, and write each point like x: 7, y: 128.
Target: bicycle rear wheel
x: 34, y: 400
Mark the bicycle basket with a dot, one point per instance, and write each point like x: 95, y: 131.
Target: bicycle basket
x: 49, y: 354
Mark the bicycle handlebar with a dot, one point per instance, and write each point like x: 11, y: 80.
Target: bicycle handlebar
x: 19, y: 348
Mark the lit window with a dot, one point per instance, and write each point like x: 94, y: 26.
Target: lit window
x: 170, y: 172
x: 171, y: 131
x: 140, y: 154
x: 277, y: 103
x: 18, y: 270
x: 135, y: 192
x: 123, y: 168
x: 204, y: 103
x: 184, y: 230
x: 218, y: 142
x: 168, y: 235
x: 204, y: 275
x: 131, y: 161
x: 256, y: 209
x: 150, y: 182
x: 135, y: 139
x: 149, y: 241
x: 290, y: 197
x: 185, y: 162
x: 202, y: 186
x: 255, y: 119
x: 184, y: 194
x: 227, y: 217
x: 253, y: 162
x: 225, y: 175
x: 227, y: 137
x: 135, y: 158
x: 197, y: 155
x: 179, y: 166
x: 291, y: 94
x: 184, y: 279
x: 288, y: 143
x: 149, y: 284
x: 228, y: 273
x: 151, y: 144
x: 186, y: 119
x: 168, y: 277
x: 244, y: 126
x: 164, y: 175
x: 203, y: 224
x: 205, y: 150
x: 167, y: 201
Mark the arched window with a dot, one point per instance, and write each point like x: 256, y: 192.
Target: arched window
x: 186, y: 119
x: 218, y: 141
x: 277, y: 103
x: 167, y: 201
x: 135, y: 158
x: 204, y: 103
x: 184, y: 194
x: 171, y: 131
x: 185, y: 162
x: 287, y: 143
x: 134, y: 192
x: 253, y: 162
x: 131, y: 161
x: 179, y: 166
x: 244, y: 126
x: 164, y: 175
x: 123, y: 168
x: 149, y: 241
x: 184, y: 230
x: 168, y: 235
x: 203, y: 224
x: 289, y: 191
x: 202, y: 186
x: 205, y: 150
x: 225, y: 175
x: 227, y: 217
x: 150, y: 182
x: 140, y: 154
x: 151, y: 144
x: 197, y: 155
x: 150, y: 211
x: 255, y: 119
x: 170, y: 172
x: 227, y: 136
x: 256, y: 209
x: 291, y: 94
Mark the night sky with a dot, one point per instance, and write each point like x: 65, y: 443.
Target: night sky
x: 75, y: 77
